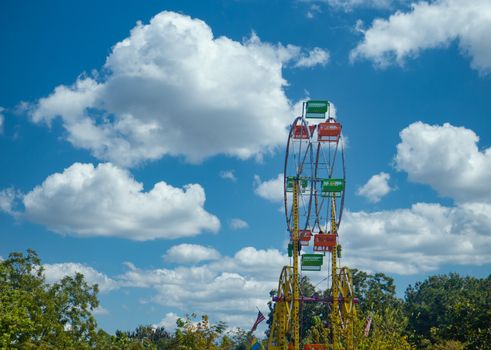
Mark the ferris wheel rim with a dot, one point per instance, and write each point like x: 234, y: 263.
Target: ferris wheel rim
x: 340, y: 147
x: 308, y: 152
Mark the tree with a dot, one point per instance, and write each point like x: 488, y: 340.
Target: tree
x: 34, y: 314
x: 191, y: 335
x: 375, y: 292
x: 241, y: 339
x: 311, y: 314
x: 148, y: 337
x: 450, y: 307
x: 317, y: 333
x: 386, y: 332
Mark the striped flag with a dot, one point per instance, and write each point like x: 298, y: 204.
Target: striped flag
x: 260, y: 318
x: 367, y: 326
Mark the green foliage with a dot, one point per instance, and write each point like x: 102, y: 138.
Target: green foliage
x: 450, y: 307
x: 34, y: 314
x: 386, y: 331
x: 311, y: 313
x: 317, y: 333
x: 192, y: 335
x: 241, y: 339
x: 447, y: 345
x: 377, y: 299
x: 38, y: 315
x: 375, y: 292
x: 147, y: 337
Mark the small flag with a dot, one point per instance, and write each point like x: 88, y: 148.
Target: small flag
x: 368, y: 325
x: 260, y: 318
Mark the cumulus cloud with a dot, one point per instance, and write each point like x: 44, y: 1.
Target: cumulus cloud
x: 228, y: 175
x: 430, y: 25
x: 315, y: 57
x: 105, y: 200
x: 448, y: 159
x: 56, y: 272
x: 272, y: 190
x: 239, y: 283
x: 427, y: 236
x: 376, y: 187
x: 419, y: 239
x: 238, y: 224
x: 190, y: 253
x: 172, y: 88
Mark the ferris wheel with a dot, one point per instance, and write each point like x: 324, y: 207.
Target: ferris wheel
x: 315, y: 157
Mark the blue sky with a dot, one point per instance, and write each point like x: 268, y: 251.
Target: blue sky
x: 140, y: 143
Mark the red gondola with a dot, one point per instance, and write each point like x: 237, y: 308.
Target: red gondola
x: 329, y: 131
x: 324, y: 242
x: 304, y: 236
x: 300, y: 132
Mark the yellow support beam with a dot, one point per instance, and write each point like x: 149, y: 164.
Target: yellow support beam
x: 296, y: 320
x: 336, y: 345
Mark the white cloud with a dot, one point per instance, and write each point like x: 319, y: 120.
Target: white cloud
x: 106, y: 201
x: 228, y: 175
x: 271, y: 190
x: 190, y: 253
x: 100, y: 311
x: 430, y: 25
x: 376, y: 187
x: 448, y: 159
x: 55, y: 272
x: 349, y: 5
x: 313, y: 11
x: 238, y: 224
x: 315, y: 57
x: 428, y: 236
x: 168, y: 322
x: 172, y: 88
x: 239, y: 283
x: 420, y: 239
x: 2, y: 118
x: 8, y: 197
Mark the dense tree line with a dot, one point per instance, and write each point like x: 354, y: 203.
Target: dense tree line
x: 443, y: 312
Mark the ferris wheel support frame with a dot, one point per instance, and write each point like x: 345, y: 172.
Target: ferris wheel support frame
x: 334, y: 284
x: 296, y: 289
x: 285, y: 327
